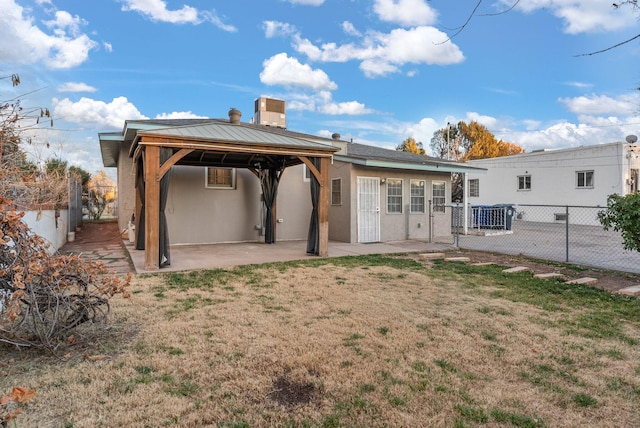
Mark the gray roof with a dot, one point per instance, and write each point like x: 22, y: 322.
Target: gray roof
x: 221, y: 130
x: 376, y: 156
x: 228, y: 132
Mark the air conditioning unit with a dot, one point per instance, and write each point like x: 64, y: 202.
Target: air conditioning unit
x: 270, y: 112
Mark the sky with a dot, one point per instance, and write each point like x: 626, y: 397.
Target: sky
x: 374, y: 71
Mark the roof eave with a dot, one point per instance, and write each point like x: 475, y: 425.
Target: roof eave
x: 110, y: 148
x: 435, y: 167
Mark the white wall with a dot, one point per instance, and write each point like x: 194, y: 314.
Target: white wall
x: 45, y: 224
x: 553, y: 176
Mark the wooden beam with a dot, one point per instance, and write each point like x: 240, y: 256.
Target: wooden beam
x: 172, y: 161
x: 152, y: 208
x: 323, y: 207
x: 235, y: 147
x: 311, y: 167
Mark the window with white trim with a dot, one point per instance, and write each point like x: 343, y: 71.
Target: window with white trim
x: 524, y: 182
x: 306, y: 173
x: 474, y: 188
x: 438, y: 193
x: 584, y: 179
x: 394, y: 196
x: 336, y: 191
x: 417, y: 196
x: 220, y: 178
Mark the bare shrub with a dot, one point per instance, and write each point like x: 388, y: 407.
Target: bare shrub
x: 44, y: 297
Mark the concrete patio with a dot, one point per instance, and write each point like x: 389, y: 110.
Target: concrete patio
x: 193, y: 257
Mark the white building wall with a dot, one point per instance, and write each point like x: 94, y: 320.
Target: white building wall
x: 554, y: 177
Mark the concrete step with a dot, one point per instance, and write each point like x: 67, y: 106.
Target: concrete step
x: 516, y: 269
x: 431, y: 256
x: 549, y: 275
x: 583, y: 281
x: 458, y: 259
x: 630, y: 291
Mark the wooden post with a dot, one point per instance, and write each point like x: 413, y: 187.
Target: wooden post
x: 152, y: 208
x: 323, y: 207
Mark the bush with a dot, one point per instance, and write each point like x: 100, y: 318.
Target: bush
x: 45, y: 297
x: 623, y: 215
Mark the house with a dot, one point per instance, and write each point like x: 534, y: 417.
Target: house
x: 205, y: 181
x: 581, y: 176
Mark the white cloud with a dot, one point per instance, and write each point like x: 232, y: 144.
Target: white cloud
x: 276, y: 28
x: 107, y: 47
x: 384, y: 53
x: 422, y: 131
x: 307, y: 2
x: 350, y: 29
x: 23, y: 42
x: 405, y: 12
x: 179, y: 115
x: 328, y: 106
x: 601, y: 104
x: 322, y: 102
x: 583, y: 16
x: 156, y: 10
x: 487, y: 121
x: 76, y: 87
x: 90, y: 112
x: 282, y: 70
x: 579, y: 85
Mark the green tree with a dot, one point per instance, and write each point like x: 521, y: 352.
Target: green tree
x: 623, y: 215
x: 82, y: 175
x: 410, y: 145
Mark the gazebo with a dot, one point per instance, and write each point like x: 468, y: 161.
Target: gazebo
x: 224, y: 144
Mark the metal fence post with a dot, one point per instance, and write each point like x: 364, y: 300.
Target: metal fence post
x: 430, y: 222
x: 566, y: 228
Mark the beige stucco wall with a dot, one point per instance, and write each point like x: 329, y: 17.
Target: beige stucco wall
x: 340, y: 215
x: 294, y: 205
x: 126, y: 187
x: 396, y: 227
x: 196, y: 214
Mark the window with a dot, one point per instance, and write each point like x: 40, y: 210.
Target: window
x: 474, y: 188
x: 221, y: 178
x: 584, y: 179
x: 394, y: 196
x: 336, y: 191
x: 306, y: 173
x: 417, y: 196
x: 438, y: 193
x: 524, y: 182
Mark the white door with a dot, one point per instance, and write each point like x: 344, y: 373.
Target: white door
x: 368, y: 209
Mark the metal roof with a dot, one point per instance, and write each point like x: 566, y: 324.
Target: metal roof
x: 231, y: 133
x: 385, y: 158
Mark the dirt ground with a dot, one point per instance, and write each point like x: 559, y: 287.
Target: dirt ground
x: 101, y: 232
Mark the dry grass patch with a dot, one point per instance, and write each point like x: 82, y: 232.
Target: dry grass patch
x: 364, y: 341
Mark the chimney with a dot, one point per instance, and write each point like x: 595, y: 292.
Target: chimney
x: 234, y: 115
x: 335, y: 136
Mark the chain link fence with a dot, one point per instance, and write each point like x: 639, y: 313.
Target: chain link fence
x: 560, y: 233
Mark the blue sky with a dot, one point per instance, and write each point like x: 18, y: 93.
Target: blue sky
x: 375, y: 71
